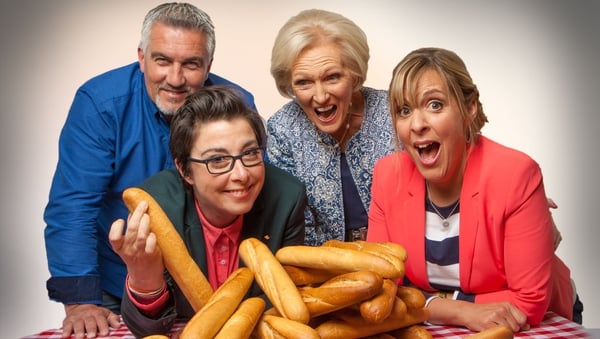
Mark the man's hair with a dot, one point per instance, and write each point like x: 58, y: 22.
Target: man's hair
x: 180, y: 15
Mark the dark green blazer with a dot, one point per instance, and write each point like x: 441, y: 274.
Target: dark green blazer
x: 277, y: 218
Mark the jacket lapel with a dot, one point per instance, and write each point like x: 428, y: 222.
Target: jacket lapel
x: 470, y: 205
x: 193, y: 233
x: 414, y: 224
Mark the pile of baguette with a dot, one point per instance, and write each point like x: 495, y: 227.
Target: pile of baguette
x: 337, y: 290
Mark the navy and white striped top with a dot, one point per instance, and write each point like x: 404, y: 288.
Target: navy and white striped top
x: 442, y: 248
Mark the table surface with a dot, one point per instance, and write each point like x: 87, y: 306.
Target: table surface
x: 553, y: 326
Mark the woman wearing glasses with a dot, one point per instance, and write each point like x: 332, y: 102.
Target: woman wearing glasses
x: 221, y: 193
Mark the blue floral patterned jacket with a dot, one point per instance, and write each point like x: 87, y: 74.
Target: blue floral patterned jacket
x: 295, y: 145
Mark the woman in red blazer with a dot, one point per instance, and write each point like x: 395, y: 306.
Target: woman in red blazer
x: 471, y: 213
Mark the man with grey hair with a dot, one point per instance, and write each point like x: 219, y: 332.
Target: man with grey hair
x: 116, y: 135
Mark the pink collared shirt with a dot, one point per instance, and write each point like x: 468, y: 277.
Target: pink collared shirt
x: 222, y: 245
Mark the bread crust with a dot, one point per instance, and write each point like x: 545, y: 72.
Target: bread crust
x: 302, y: 276
x: 390, y: 248
x: 207, y: 322
x: 273, y: 280
x: 337, y: 259
x: 341, y: 291
x: 242, y: 322
x: 347, y: 324
x: 274, y: 327
x: 381, y: 305
x: 411, y: 332
x: 496, y: 332
x: 412, y: 296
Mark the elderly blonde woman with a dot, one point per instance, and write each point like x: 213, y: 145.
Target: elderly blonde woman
x: 334, y: 129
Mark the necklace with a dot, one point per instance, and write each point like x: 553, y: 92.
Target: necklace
x: 445, y: 221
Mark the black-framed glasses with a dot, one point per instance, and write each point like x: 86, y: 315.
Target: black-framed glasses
x: 224, y: 163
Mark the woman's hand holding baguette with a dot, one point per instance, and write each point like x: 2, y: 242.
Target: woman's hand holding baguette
x: 138, y: 248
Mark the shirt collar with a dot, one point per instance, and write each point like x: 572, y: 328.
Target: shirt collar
x: 212, y: 233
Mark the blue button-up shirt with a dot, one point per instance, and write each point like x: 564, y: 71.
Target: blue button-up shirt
x: 113, y: 138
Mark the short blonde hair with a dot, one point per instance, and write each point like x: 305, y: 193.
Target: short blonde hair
x: 310, y: 28
x: 452, y: 69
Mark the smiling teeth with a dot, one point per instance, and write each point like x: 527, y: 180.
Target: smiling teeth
x: 422, y: 146
x: 324, y: 109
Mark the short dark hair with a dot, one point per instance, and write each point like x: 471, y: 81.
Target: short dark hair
x: 208, y: 104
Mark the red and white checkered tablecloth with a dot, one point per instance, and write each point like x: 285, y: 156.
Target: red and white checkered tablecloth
x: 553, y: 326
x: 120, y: 333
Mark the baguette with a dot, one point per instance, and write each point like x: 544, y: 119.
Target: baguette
x: 353, y: 325
x: 337, y: 259
x: 223, y: 303
x: 274, y: 327
x: 411, y: 332
x: 380, y: 306
x: 412, y: 296
x: 340, y: 292
x: 390, y: 247
x: 382, y: 247
x: 243, y: 320
x: 382, y: 336
x: 178, y: 262
x: 391, y: 252
x: 496, y: 332
x: 302, y: 276
x: 273, y: 280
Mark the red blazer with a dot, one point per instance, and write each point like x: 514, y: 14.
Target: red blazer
x: 505, y: 237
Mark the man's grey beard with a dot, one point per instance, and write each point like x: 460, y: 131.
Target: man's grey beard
x: 164, y: 110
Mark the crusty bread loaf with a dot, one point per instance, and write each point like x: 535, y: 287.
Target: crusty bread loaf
x: 412, y: 296
x: 302, y: 276
x: 496, y: 332
x: 337, y: 259
x: 411, y: 332
x: 380, y: 306
x: 222, y: 304
x: 242, y: 322
x: 273, y: 280
x: 274, y: 327
x: 386, y: 247
x: 182, y: 267
x: 348, y: 324
x: 341, y: 291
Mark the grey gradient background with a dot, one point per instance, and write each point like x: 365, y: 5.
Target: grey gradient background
x: 535, y: 63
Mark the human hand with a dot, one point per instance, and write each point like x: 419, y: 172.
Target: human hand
x: 138, y: 249
x: 478, y: 317
x: 557, y: 237
x: 88, y: 319
x: 551, y: 203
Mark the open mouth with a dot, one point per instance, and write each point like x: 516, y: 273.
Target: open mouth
x: 428, y: 153
x: 326, y: 114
